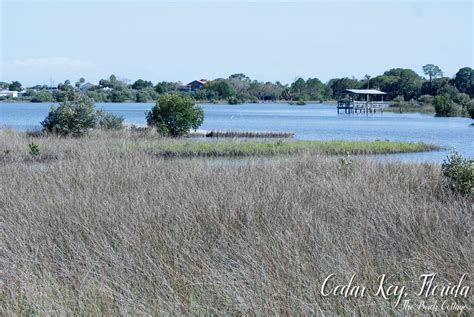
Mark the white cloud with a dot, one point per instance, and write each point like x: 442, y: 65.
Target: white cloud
x: 49, y: 63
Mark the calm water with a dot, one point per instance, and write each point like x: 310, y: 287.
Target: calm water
x: 310, y: 122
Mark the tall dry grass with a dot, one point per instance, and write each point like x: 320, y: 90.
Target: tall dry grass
x: 89, y: 230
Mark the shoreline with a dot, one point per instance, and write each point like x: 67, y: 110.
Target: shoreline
x: 148, y: 141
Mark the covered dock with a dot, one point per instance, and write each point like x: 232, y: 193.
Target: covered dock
x: 362, y: 100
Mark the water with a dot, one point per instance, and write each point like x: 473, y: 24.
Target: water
x: 310, y: 122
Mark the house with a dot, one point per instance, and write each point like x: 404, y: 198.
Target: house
x: 8, y: 93
x: 85, y: 87
x: 197, y: 84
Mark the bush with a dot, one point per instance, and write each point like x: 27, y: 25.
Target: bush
x: 175, y: 115
x: 142, y: 96
x: 471, y: 109
x: 42, y: 96
x: 34, y: 149
x: 234, y: 101
x: 444, y: 106
x: 109, y: 121
x: 76, y: 115
x: 460, y: 173
x: 426, y: 100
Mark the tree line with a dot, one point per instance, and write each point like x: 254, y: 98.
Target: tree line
x: 406, y: 88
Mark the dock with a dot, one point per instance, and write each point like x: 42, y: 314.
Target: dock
x: 367, y: 105
x: 360, y: 106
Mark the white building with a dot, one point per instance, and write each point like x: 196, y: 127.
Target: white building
x: 8, y: 93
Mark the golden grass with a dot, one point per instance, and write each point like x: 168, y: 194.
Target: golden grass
x: 95, y: 231
x: 122, y: 142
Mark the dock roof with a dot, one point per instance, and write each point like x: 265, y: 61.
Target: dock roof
x: 366, y: 91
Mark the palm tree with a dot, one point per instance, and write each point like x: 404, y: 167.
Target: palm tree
x: 368, y: 80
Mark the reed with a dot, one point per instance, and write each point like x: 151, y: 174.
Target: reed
x: 103, y: 228
x: 148, y: 141
x: 249, y: 134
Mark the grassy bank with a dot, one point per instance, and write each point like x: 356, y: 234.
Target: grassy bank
x: 185, y: 148
x: 100, y: 231
x: 15, y: 146
x: 242, y: 134
x: 429, y: 109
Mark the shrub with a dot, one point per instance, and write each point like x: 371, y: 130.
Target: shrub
x: 175, y: 115
x: 426, y: 100
x: 234, y: 100
x: 471, y: 109
x: 444, y: 106
x: 460, y: 173
x: 34, y: 149
x: 42, y: 96
x: 398, y: 102
x: 345, y: 162
x: 76, y: 115
x: 142, y: 96
x: 109, y: 121
x: 463, y: 100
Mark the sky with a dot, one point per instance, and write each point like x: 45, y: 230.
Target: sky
x: 44, y: 41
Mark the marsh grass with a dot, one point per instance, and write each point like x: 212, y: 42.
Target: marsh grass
x: 407, y: 108
x: 190, y: 148
x: 244, y: 134
x: 149, y: 142
x: 96, y: 231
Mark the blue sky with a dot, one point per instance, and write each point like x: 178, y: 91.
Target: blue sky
x: 266, y: 40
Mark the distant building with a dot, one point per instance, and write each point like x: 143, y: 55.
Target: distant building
x: 85, y: 87
x: 197, y: 84
x: 8, y: 93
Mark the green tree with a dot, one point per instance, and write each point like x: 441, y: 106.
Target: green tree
x: 175, y: 115
x: 166, y: 86
x: 112, y: 82
x: 118, y: 96
x: 80, y: 82
x: 59, y: 95
x: 464, y: 81
x: 15, y: 86
x: 298, y: 88
x: 142, y: 96
x: 463, y: 100
x: 338, y: 86
x: 316, y: 89
x: 432, y: 71
x: 66, y: 86
x: 222, y: 88
x: 470, y: 109
x: 399, y: 82
x: 42, y: 96
x: 141, y: 84
x: 434, y: 86
x: 240, y: 76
